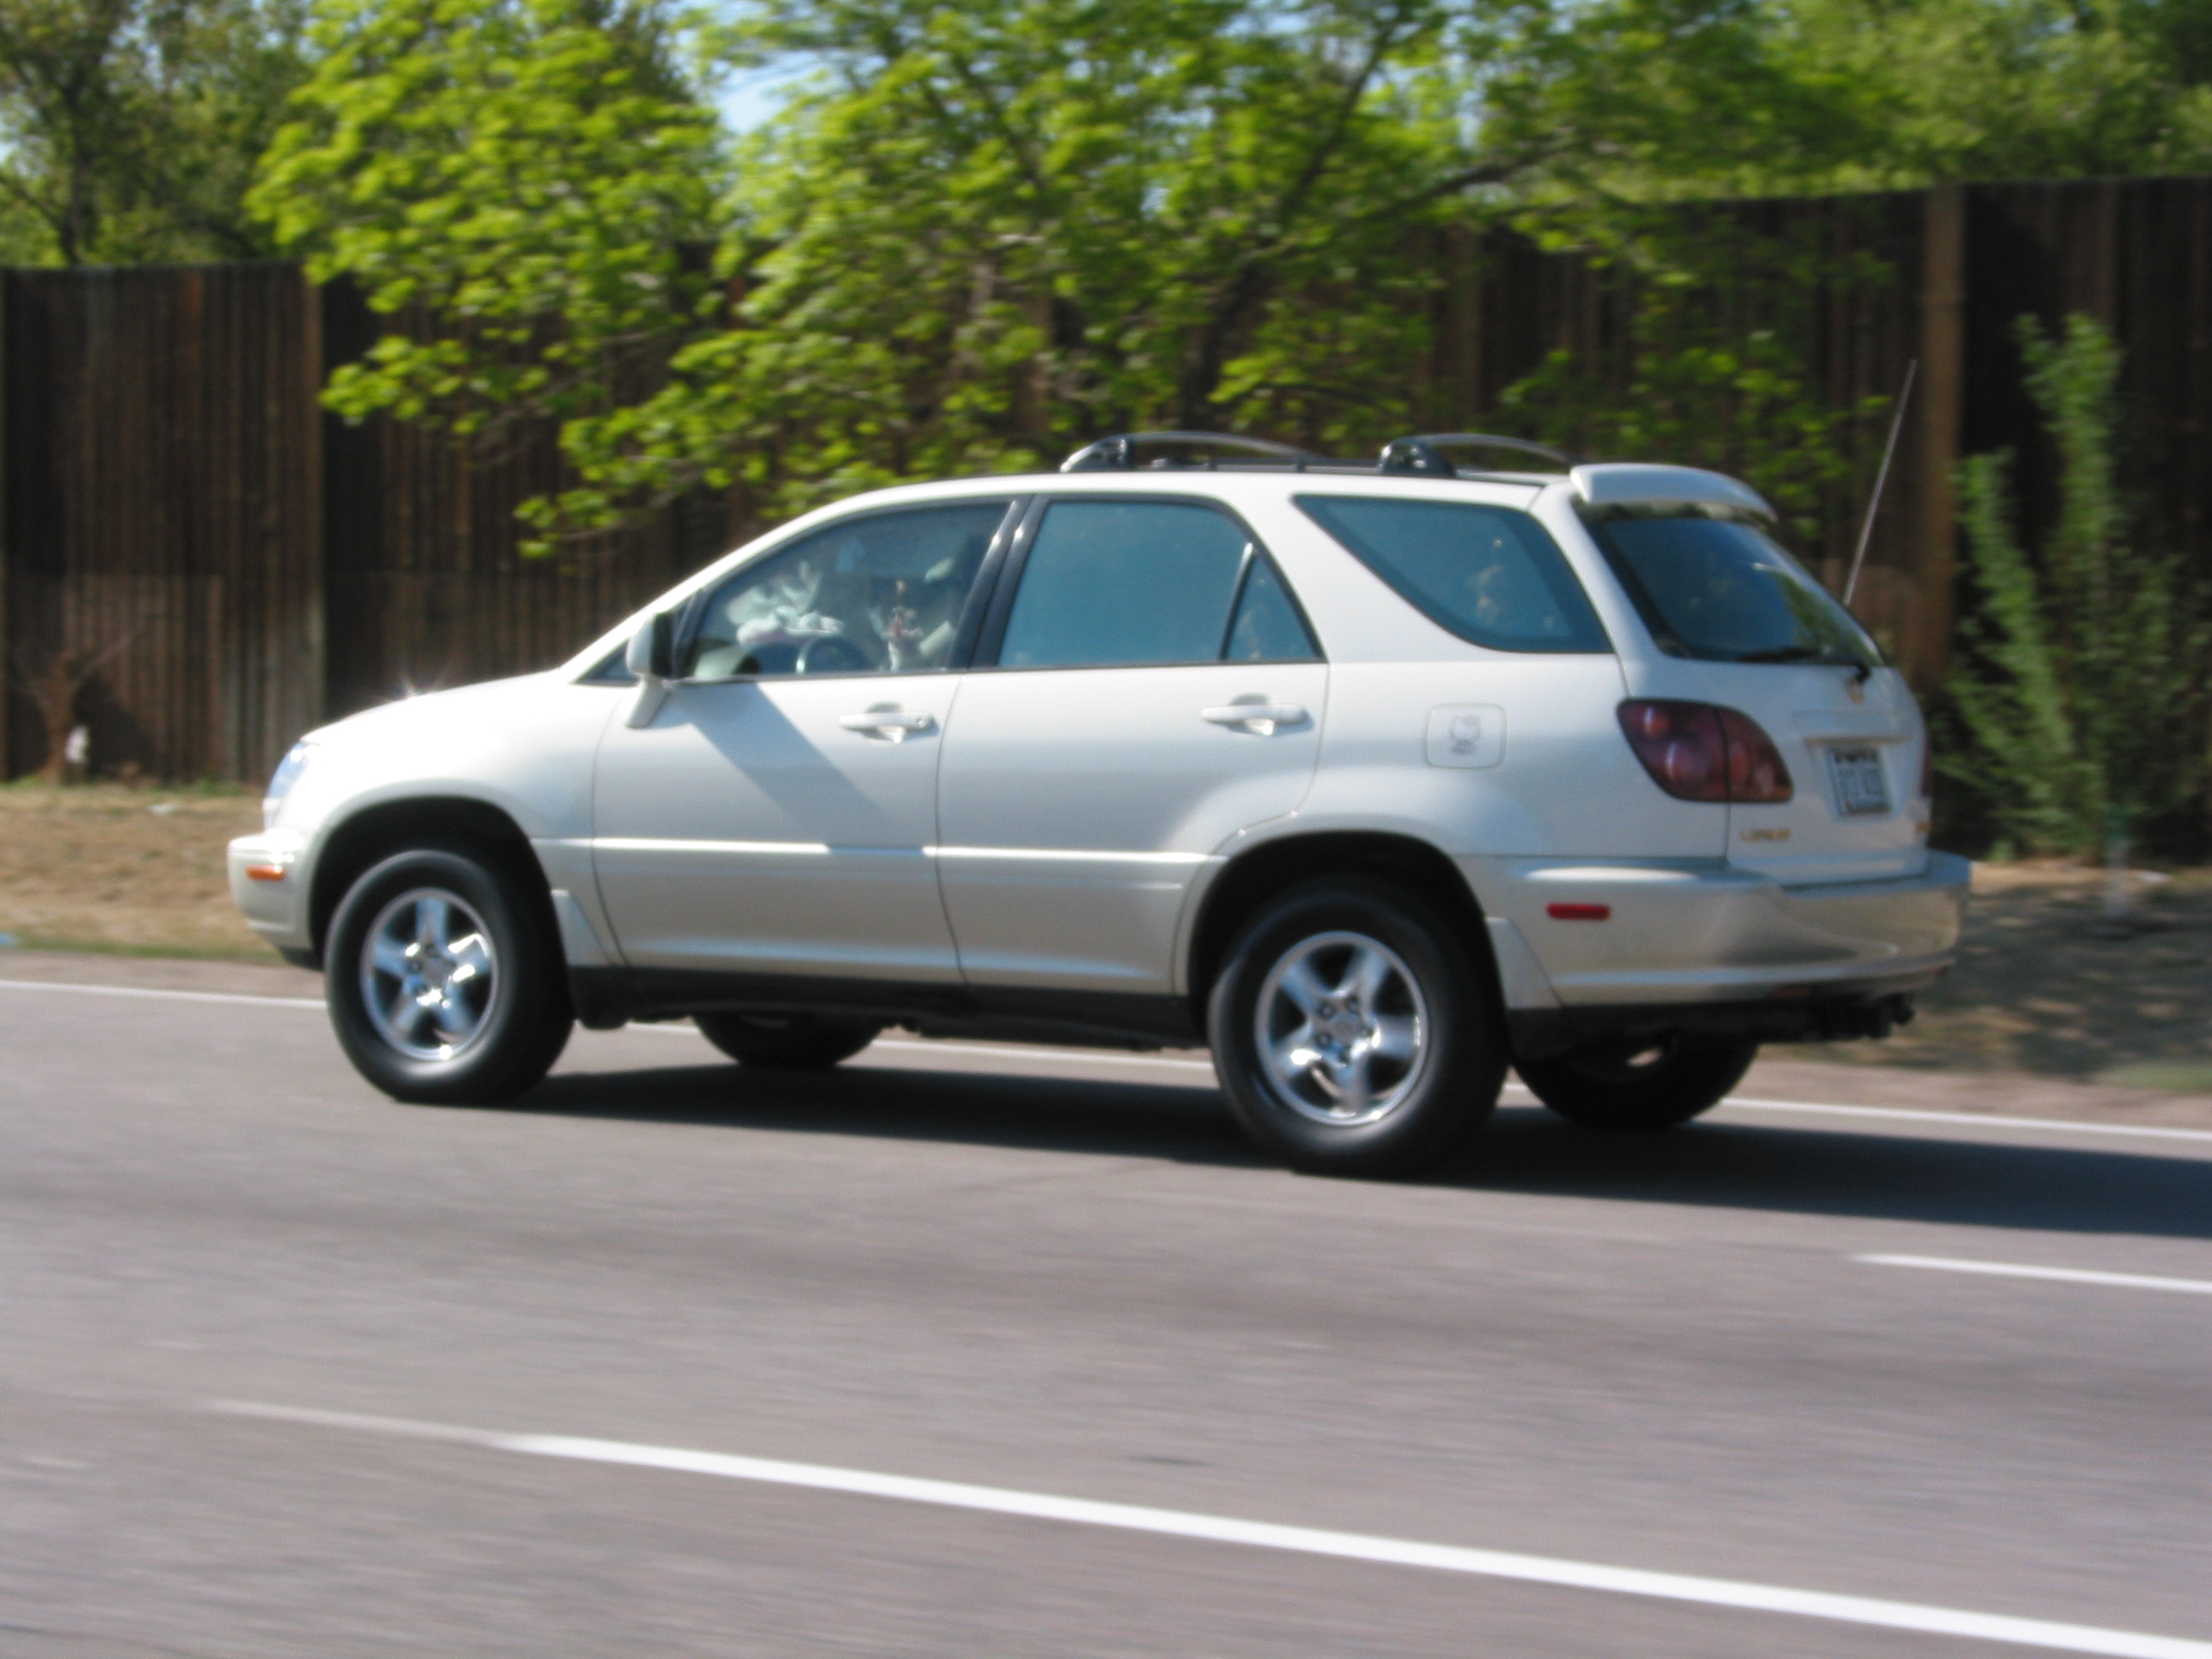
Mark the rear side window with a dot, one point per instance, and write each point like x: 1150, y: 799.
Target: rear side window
x: 1110, y: 583
x: 1489, y: 575
x: 1723, y: 591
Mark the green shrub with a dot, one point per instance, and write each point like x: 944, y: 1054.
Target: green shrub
x: 2083, y: 682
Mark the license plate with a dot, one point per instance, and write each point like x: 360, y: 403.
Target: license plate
x: 1861, y: 785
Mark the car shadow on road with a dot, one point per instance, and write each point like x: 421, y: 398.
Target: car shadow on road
x: 1122, y: 1120
x: 1833, y: 1172
x: 1733, y: 1166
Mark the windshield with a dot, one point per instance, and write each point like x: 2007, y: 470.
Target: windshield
x: 1721, y: 591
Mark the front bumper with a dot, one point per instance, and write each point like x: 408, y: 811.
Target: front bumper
x: 269, y: 882
x: 1685, y: 933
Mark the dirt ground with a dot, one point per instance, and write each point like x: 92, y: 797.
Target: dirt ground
x: 132, y: 870
x: 2042, y: 987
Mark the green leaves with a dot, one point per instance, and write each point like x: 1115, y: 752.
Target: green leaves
x: 2087, y: 668
x: 980, y: 235
x: 130, y: 129
x: 523, y: 184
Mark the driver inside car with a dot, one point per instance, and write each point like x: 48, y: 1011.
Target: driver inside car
x: 847, y: 608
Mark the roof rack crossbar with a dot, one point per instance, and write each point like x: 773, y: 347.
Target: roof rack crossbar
x: 1423, y: 453
x: 1118, y: 454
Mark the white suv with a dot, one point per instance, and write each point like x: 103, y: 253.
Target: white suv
x: 1377, y: 778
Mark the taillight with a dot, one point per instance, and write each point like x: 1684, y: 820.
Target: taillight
x: 1697, y: 752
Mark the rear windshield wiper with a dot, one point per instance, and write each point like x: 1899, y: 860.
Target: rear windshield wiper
x: 1807, y: 653
x: 1782, y: 653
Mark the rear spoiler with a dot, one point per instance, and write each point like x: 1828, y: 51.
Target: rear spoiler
x: 1624, y: 484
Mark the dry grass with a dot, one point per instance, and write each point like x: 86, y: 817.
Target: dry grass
x: 138, y: 871
x: 2040, y: 986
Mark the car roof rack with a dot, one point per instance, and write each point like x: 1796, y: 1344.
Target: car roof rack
x: 1419, y: 457
x: 1423, y: 455
x: 1118, y: 454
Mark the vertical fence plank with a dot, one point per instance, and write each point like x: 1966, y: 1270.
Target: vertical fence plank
x: 1943, y: 347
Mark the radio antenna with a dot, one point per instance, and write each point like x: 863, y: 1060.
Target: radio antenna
x: 1881, y: 478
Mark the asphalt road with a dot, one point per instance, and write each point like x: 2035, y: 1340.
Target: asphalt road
x: 1061, y: 1277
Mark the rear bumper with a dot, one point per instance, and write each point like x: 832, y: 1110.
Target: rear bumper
x: 1678, y: 934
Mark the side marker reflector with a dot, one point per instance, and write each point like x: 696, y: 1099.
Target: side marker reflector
x: 1580, y: 912
x: 265, y: 872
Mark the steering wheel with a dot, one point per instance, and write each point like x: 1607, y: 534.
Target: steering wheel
x: 833, y: 653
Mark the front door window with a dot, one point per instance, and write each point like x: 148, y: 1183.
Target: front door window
x: 881, y: 594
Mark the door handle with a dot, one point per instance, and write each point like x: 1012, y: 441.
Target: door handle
x: 1262, y: 718
x: 893, y: 724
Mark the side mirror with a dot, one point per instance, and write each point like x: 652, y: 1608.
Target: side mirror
x: 651, y: 652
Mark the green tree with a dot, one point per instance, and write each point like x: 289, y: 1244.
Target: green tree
x: 1666, y: 99
x: 2013, y: 88
x: 129, y: 130
x: 1627, y: 101
x: 2088, y: 666
x: 998, y: 230
x: 520, y: 185
x: 982, y: 235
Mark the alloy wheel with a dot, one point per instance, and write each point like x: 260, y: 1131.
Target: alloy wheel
x: 430, y: 975
x: 1343, y: 1031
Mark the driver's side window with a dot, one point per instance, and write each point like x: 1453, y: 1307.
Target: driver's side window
x: 882, y: 594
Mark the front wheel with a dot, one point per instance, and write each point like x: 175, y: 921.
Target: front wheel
x: 1639, y: 1086
x: 1353, y: 1036
x: 787, y: 1041
x: 444, y: 979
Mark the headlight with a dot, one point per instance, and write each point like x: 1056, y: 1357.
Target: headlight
x: 288, y: 772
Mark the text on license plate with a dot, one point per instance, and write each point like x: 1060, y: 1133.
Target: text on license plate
x: 1861, y: 785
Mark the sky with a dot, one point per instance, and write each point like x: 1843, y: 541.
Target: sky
x: 752, y: 97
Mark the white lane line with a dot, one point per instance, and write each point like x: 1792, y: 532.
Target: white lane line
x: 1267, y: 1534
x: 314, y: 1003
x: 1975, y: 1120
x: 2065, y: 1275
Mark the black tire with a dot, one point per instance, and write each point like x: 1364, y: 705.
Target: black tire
x: 787, y: 1041
x: 1423, y: 1108
x: 1640, y: 1086
x: 515, y: 1027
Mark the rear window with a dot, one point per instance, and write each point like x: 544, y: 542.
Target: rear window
x: 1721, y: 590
x: 1489, y: 575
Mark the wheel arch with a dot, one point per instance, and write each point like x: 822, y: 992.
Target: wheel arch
x: 1256, y: 875
x: 375, y: 833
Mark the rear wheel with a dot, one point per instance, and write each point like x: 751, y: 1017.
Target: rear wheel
x: 1352, y: 1034
x: 787, y: 1041
x: 444, y: 979
x: 1641, y: 1084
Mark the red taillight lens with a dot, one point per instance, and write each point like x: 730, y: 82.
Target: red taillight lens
x: 1681, y: 747
x: 1696, y: 751
x: 1755, y: 772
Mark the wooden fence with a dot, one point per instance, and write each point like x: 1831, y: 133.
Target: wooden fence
x: 172, y: 492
